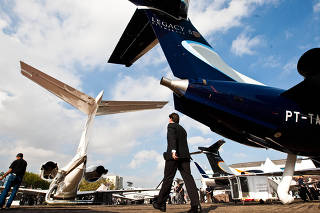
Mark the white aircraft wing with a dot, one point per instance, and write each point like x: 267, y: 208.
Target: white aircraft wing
x: 311, y: 171
x: 82, y: 101
x: 117, y: 191
x: 112, y: 107
x: 131, y: 198
x: 30, y: 191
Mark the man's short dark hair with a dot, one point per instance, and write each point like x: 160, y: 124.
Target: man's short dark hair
x: 174, y: 117
x: 20, y: 155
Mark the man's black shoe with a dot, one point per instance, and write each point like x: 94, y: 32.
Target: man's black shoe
x: 195, y: 209
x: 158, y: 206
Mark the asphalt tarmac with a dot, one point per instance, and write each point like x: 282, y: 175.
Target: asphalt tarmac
x: 226, y: 208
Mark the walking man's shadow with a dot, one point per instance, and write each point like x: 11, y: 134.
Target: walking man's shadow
x: 207, y: 210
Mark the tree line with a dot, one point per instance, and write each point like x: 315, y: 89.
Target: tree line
x: 33, y: 181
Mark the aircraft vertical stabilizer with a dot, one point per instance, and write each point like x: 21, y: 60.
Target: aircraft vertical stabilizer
x: 189, y: 55
x: 66, y: 180
x: 216, y: 162
x: 202, y: 172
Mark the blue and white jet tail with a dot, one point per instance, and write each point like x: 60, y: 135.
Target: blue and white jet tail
x: 189, y: 55
x: 202, y: 172
x: 218, y: 166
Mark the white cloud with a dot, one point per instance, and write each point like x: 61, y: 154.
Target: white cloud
x: 270, y: 61
x: 3, y: 97
x: 289, y: 67
x: 240, y: 155
x: 245, y: 45
x: 67, y: 31
x: 222, y: 15
x: 198, y: 140
x: 52, y: 36
x: 124, y: 130
x: 154, y: 58
x: 288, y: 34
x: 149, y: 177
x: 144, y: 88
x: 145, y: 156
x: 33, y: 156
x: 316, y: 7
x: 190, y: 124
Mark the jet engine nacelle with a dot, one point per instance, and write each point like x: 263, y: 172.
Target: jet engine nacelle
x: 49, y: 170
x: 176, y: 8
x: 309, y: 63
x: 94, y: 173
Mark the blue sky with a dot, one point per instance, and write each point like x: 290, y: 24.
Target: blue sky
x: 72, y: 40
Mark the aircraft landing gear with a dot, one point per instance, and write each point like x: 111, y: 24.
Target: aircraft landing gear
x: 50, y: 193
x: 284, y: 185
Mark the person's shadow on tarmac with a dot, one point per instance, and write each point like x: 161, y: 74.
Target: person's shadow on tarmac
x: 206, y: 210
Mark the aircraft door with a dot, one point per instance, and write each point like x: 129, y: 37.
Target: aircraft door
x: 234, y: 186
x: 244, y: 186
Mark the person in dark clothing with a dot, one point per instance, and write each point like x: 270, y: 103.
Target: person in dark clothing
x: 177, y: 157
x: 303, y: 191
x: 13, y: 179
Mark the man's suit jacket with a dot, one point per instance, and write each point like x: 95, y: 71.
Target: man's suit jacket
x: 177, y: 140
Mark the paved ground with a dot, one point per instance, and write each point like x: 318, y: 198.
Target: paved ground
x: 225, y: 208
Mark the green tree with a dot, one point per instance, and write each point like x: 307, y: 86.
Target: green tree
x: 1, y: 181
x: 32, y: 180
x: 86, y: 186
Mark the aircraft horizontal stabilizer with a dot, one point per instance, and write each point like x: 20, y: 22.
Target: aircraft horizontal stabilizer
x: 137, y: 39
x: 72, y: 96
x: 113, y: 107
x: 214, y: 148
x: 305, y: 93
x: 81, y: 101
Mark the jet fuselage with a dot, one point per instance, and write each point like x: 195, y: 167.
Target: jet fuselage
x: 251, y: 114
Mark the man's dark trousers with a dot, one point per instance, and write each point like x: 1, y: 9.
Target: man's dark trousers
x: 170, y: 170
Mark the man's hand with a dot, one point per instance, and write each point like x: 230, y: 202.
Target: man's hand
x: 1, y: 177
x: 174, y: 156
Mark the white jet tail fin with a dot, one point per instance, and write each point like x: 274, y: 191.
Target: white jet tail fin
x: 113, y: 107
x: 83, y: 145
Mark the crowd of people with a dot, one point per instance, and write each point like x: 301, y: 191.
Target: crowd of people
x: 178, y: 195
x: 308, y: 189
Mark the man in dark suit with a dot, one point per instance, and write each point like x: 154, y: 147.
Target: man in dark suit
x: 177, y: 157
